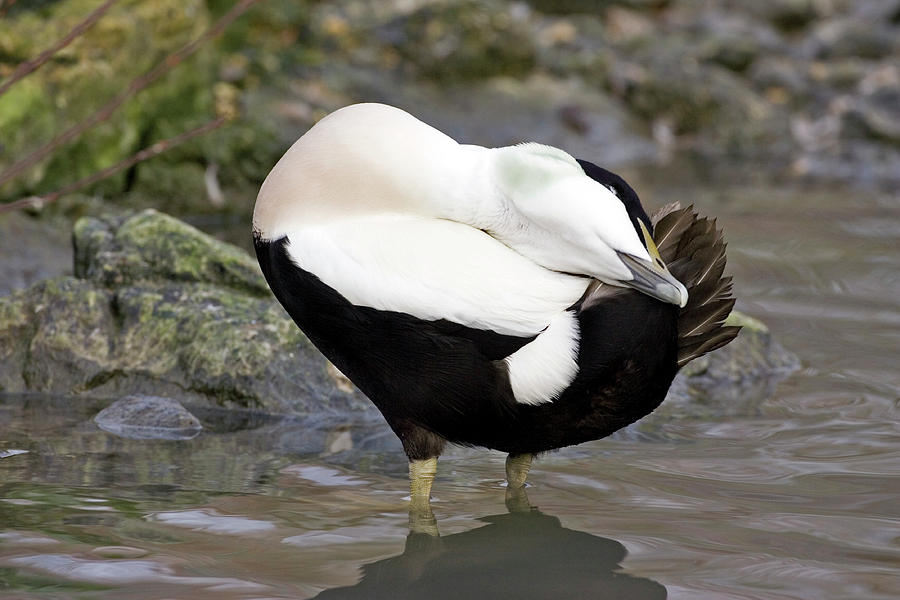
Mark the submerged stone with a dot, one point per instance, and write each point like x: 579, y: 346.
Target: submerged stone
x: 148, y: 417
x: 733, y: 379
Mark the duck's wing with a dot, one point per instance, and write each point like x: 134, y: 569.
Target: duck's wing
x: 460, y: 278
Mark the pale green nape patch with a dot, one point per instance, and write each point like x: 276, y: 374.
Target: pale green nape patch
x: 551, y: 152
x: 532, y: 164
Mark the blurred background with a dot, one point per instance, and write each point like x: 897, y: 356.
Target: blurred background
x: 775, y: 91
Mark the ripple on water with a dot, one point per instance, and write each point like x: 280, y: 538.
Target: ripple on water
x: 797, y: 578
x: 211, y: 521
x: 846, y: 531
x: 123, y: 572
x: 322, y: 475
x: 25, y: 539
x: 344, y: 535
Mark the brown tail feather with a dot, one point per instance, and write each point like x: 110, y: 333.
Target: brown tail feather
x: 694, y: 250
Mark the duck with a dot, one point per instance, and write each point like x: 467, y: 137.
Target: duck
x: 513, y: 298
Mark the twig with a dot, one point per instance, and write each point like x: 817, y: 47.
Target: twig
x: 31, y: 65
x: 148, y: 152
x: 133, y: 88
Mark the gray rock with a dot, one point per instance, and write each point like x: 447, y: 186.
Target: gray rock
x: 853, y: 38
x: 778, y: 72
x: 51, y: 257
x: 788, y: 15
x: 148, y: 417
x: 158, y: 307
x: 747, y: 367
x: 735, y: 53
x: 151, y: 246
x: 463, y: 40
x: 697, y: 99
x: 592, y: 6
x: 876, y: 116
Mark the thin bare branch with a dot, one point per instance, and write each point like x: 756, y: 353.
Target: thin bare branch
x: 31, y: 65
x: 148, y: 152
x: 133, y: 88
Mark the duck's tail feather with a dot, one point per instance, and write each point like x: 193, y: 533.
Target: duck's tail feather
x: 694, y: 251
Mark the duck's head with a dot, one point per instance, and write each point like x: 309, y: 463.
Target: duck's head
x: 575, y: 217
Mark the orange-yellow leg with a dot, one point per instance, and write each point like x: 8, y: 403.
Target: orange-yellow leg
x: 421, y: 477
x: 517, y: 467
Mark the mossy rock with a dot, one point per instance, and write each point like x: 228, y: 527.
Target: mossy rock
x: 592, y: 6
x: 463, y: 40
x: 753, y: 355
x: 157, y: 307
x: 669, y: 82
x: 60, y: 332
x: 787, y: 15
x: 854, y: 38
x: 125, y: 43
x: 152, y: 246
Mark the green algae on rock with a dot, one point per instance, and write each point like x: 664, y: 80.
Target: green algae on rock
x: 153, y: 246
x: 157, y: 307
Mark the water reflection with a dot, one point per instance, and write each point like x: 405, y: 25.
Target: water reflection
x: 516, y: 555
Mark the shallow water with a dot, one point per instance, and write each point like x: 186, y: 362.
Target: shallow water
x: 795, y: 496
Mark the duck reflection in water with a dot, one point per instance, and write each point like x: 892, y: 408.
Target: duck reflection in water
x: 523, y: 554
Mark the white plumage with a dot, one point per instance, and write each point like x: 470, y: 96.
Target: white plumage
x: 540, y: 370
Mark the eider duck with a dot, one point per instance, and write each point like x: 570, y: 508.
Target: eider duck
x: 513, y: 298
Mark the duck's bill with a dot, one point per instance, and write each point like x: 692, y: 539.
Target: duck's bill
x: 653, y: 279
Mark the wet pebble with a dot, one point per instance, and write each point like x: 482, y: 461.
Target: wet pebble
x: 6, y: 453
x: 148, y: 417
x: 119, y: 552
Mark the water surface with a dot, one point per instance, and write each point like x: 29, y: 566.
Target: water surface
x: 790, y: 496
